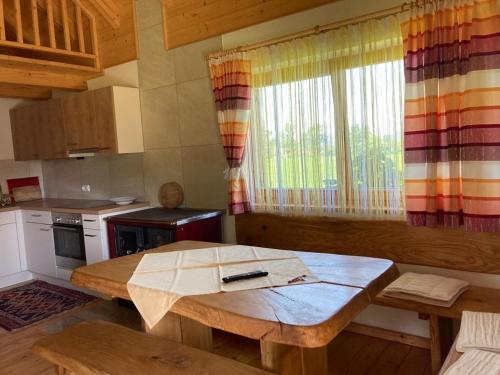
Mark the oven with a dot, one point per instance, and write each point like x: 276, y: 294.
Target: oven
x: 69, y: 240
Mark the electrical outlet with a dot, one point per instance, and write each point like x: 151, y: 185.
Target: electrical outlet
x: 86, y: 188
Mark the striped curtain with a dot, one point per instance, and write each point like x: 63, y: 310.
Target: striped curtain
x: 452, y: 114
x: 231, y: 83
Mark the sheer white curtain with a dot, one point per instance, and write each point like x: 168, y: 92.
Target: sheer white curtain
x: 327, y: 119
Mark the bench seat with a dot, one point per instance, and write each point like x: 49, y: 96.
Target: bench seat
x: 475, y: 299
x: 452, y: 357
x: 97, y: 347
x: 440, y: 318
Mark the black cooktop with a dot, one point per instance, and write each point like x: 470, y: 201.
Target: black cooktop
x: 175, y: 216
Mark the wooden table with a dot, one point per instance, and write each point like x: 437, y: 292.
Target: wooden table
x: 293, y: 323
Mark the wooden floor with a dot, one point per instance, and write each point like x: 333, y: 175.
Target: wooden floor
x: 349, y: 353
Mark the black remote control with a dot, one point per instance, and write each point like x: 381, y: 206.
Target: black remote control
x: 244, y: 276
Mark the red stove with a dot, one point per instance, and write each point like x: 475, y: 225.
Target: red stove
x: 147, y: 229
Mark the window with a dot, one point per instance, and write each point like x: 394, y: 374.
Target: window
x: 326, y: 131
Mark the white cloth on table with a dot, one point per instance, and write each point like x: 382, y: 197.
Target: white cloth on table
x: 479, y: 330
x: 161, y: 279
x: 426, y: 288
x: 476, y: 362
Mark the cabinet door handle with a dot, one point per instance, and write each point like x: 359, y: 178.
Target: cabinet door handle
x: 89, y: 220
x: 36, y: 215
x: 45, y: 230
x: 90, y: 235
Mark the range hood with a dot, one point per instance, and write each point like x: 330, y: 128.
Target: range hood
x: 87, y: 153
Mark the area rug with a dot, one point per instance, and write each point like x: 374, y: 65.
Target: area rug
x: 31, y: 303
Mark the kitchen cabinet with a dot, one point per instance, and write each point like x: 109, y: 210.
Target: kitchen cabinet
x: 106, y: 125
x: 94, y: 246
x: 103, y: 120
x: 23, y: 123
x: 50, y: 135
x: 40, y: 250
x: 80, y: 123
x: 38, y: 131
x: 10, y: 262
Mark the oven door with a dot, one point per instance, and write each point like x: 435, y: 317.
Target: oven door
x: 69, y: 245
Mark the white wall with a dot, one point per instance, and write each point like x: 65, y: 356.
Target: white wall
x: 126, y: 74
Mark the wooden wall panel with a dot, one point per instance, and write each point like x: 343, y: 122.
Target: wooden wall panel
x: 116, y: 45
x: 395, y: 240
x: 187, y: 21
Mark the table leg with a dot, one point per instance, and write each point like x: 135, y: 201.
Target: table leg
x: 196, y: 334
x: 290, y: 360
x: 441, y: 339
x: 184, y: 330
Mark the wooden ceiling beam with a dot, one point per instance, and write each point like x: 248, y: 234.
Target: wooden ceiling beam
x: 109, y: 10
x: 39, y: 73
x: 24, y: 91
x: 187, y: 21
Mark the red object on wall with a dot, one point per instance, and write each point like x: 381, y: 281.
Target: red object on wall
x: 21, y: 182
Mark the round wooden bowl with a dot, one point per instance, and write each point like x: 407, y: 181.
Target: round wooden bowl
x: 171, y: 195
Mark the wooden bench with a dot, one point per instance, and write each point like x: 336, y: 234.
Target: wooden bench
x: 452, y: 357
x: 97, y: 347
x: 441, y: 318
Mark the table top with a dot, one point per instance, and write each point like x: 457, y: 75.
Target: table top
x: 306, y: 315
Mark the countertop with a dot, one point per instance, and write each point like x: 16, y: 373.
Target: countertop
x: 169, y: 216
x: 79, y: 206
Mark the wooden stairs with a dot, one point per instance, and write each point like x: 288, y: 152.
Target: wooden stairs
x: 45, y: 45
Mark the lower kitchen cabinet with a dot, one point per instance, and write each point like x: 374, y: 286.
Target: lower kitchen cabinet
x: 9, y: 250
x: 94, y: 249
x: 40, y: 250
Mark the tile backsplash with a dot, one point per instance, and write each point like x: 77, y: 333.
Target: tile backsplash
x: 108, y: 176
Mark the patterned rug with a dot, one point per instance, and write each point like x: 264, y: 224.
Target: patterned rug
x: 37, y: 301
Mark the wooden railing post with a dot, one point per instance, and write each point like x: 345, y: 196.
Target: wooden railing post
x: 34, y: 17
x: 50, y: 24
x: 64, y: 12
x: 79, y: 26
x: 95, y: 47
x: 2, y: 22
x: 19, y: 22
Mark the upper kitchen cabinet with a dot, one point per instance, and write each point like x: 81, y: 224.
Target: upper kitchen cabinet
x: 23, y: 121
x: 107, y: 119
x: 118, y: 115
x: 49, y: 133
x: 103, y: 120
x: 80, y: 122
x: 38, y: 132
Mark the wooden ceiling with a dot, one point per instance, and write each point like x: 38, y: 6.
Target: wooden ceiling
x: 187, y: 21
x: 117, y: 45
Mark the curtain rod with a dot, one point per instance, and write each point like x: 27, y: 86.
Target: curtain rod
x: 324, y: 28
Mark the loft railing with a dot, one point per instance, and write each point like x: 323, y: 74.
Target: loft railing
x: 60, y: 32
